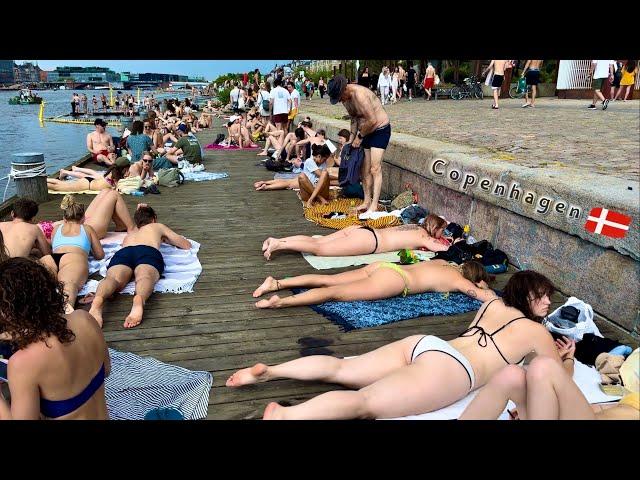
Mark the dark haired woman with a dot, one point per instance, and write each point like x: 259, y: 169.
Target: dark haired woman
x: 71, y: 244
x: 61, y: 360
x: 139, y: 141
x: 357, y: 240
x: 628, y: 78
x: 422, y: 373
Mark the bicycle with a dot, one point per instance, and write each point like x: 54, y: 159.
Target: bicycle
x: 519, y: 89
x: 470, y: 87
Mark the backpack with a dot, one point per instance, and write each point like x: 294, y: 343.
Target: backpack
x: 265, y: 103
x: 170, y: 177
x: 350, y: 164
x: 275, y: 165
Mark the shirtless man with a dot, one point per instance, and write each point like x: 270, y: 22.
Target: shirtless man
x: 139, y: 258
x: 100, y: 143
x: 369, y: 126
x: 532, y: 73
x: 429, y: 80
x: 498, y: 67
x: 238, y: 132
x: 20, y: 235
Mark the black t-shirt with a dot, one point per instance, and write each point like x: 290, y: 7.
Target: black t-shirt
x: 411, y: 76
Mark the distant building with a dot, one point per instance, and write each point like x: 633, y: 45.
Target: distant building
x: 26, y: 73
x: 6, y: 72
x: 316, y: 65
x: 161, y: 77
x: 83, y: 75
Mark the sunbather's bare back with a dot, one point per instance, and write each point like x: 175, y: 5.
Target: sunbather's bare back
x: 20, y: 237
x: 153, y: 234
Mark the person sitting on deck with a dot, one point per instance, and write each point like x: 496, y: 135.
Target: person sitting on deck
x: 138, y: 141
x: 359, y: 240
x: 313, y: 182
x: 71, y: 244
x: 380, y: 280
x: 140, y: 259
x: 100, y: 144
x: 61, y: 361
x: 187, y: 147
x: 20, y: 235
x: 422, y: 373
x: 95, y: 181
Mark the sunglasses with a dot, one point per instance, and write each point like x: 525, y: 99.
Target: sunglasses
x: 146, y: 161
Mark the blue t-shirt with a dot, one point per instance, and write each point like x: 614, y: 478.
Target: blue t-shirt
x: 312, y: 170
x: 138, y: 144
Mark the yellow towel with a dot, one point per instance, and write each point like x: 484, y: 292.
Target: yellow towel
x: 347, y: 206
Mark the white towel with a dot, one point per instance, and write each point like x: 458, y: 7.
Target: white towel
x: 587, y: 378
x: 202, y: 176
x: 182, y: 269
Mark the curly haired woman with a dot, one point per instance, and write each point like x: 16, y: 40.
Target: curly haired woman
x: 61, y: 361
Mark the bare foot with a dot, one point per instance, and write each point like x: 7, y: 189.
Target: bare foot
x: 265, y: 244
x: 135, y: 315
x: 96, y: 309
x: 272, y: 246
x: 264, y: 152
x: 262, y: 186
x: 273, y: 302
x: 273, y: 412
x: 61, y: 175
x: 269, y: 285
x: 362, y: 207
x: 248, y: 376
x: 258, y: 183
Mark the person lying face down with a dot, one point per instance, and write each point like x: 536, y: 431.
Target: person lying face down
x: 20, y: 235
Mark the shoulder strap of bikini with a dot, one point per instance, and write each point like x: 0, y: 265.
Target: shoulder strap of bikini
x: 485, y: 309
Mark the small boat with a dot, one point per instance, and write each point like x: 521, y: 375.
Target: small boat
x: 25, y: 98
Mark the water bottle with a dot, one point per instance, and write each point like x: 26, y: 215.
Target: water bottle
x: 137, y: 193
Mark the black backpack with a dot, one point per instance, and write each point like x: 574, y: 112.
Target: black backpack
x: 350, y: 163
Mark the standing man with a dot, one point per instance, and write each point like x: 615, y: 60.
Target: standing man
x: 295, y: 102
x: 234, y: 96
x: 601, y: 70
x: 103, y: 99
x: 411, y: 81
x: 532, y: 73
x: 75, y: 100
x: 280, y: 101
x: 370, y: 127
x: 429, y: 80
x: 498, y: 67
x: 402, y: 78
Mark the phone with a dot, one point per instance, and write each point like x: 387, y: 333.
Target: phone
x: 3, y: 369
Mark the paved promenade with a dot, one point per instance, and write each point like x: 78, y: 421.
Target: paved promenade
x: 557, y: 133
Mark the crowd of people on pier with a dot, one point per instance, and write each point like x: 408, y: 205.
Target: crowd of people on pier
x: 59, y: 358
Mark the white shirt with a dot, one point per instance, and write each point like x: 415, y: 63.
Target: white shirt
x: 602, y: 68
x: 295, y: 99
x: 280, y: 99
x: 312, y: 170
x: 384, y: 81
x: 234, y: 94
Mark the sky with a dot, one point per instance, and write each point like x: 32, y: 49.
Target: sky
x: 210, y: 69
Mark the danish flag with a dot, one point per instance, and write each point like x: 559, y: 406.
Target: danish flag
x: 608, y: 223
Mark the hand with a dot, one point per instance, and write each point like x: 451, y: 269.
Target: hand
x: 566, y: 347
x: 309, y: 203
x: 356, y: 142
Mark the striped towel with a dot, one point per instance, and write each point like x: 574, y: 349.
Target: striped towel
x: 181, y: 271
x: 138, y: 384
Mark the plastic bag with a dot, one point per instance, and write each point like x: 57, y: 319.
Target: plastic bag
x: 585, y: 323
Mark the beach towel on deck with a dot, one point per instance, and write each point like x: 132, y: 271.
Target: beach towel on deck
x: 138, y: 384
x: 285, y: 175
x: 215, y: 146
x: 203, y: 176
x: 371, y: 313
x: 587, y: 378
x: 182, y: 269
x: 346, y: 206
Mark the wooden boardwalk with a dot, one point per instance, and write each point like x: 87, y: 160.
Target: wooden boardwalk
x: 217, y: 328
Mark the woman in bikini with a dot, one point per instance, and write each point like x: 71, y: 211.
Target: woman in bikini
x: 96, y: 181
x: 422, y: 373
x: 61, y: 360
x: 545, y: 391
x: 71, y: 244
x: 380, y: 280
x: 363, y: 240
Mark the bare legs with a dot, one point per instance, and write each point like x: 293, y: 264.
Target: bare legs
x: 349, y: 241
x: 73, y: 273
x: 280, y: 184
x: 544, y: 392
x: 63, y: 186
x: 368, y: 283
x: 371, y: 179
x: 108, y: 205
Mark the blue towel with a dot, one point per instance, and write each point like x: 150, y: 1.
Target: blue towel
x: 139, y: 384
x: 371, y: 313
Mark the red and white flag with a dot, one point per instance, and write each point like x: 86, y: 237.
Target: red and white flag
x: 608, y: 223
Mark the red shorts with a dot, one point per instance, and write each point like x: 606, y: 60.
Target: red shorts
x: 428, y: 82
x: 281, y: 118
x: 101, y: 152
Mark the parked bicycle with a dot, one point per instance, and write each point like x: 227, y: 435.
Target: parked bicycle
x: 470, y: 88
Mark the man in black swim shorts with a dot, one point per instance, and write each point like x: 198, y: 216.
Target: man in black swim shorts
x: 140, y: 259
